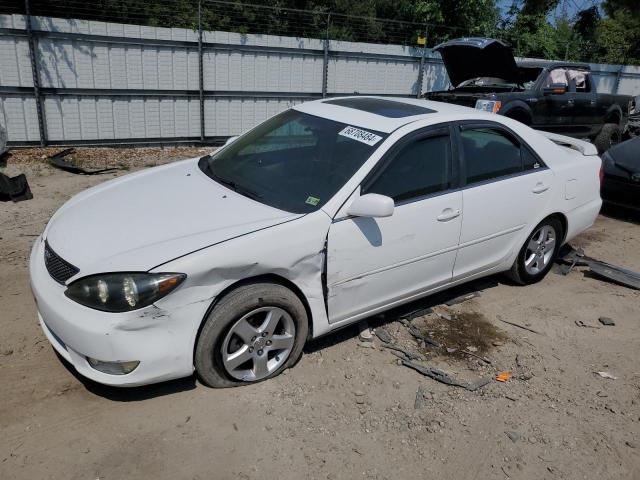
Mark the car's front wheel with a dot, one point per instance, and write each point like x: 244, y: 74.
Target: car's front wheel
x: 253, y: 333
x: 536, y: 256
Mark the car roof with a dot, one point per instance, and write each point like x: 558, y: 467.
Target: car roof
x: 382, y: 114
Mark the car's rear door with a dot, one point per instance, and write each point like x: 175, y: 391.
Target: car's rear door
x: 506, y: 187
x: 374, y: 262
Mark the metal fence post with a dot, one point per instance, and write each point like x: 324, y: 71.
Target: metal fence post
x: 42, y: 124
x: 200, y: 71
x: 616, y: 85
x: 325, y: 61
x: 421, y: 68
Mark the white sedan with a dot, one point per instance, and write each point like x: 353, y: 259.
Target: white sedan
x: 322, y: 215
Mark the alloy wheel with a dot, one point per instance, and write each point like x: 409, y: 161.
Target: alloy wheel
x: 258, y: 344
x: 540, y: 250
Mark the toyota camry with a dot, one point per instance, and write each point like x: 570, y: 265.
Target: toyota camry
x: 323, y: 215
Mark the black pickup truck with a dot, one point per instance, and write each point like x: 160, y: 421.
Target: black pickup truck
x: 558, y: 97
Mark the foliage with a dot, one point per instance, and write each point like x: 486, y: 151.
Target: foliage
x: 609, y: 33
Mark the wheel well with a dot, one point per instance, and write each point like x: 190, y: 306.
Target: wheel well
x: 519, y: 114
x: 267, y: 278
x: 563, y: 220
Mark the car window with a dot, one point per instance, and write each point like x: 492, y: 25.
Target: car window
x: 529, y: 160
x: 580, y: 80
x: 420, y: 168
x: 489, y: 153
x: 294, y: 161
x: 557, y: 76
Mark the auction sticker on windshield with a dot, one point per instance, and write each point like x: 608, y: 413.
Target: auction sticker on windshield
x: 360, y: 135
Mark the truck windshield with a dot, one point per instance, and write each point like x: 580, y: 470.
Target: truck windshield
x: 294, y: 161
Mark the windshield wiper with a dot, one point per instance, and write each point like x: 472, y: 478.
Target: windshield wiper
x: 207, y: 168
x: 247, y: 192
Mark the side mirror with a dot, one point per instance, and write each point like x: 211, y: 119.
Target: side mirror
x: 555, y: 89
x: 371, y: 205
x: 230, y: 140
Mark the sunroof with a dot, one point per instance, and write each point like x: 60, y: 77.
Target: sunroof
x: 380, y: 106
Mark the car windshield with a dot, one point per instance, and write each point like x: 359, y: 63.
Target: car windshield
x: 293, y: 161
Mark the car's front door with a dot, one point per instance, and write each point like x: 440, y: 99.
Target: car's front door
x: 375, y: 262
x: 506, y: 188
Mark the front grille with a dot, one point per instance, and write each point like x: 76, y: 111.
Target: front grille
x: 59, y: 269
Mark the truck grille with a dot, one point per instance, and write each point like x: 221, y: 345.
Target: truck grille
x: 59, y: 269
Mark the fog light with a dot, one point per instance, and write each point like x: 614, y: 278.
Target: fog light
x: 113, y: 368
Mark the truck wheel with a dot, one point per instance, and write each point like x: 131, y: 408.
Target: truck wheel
x: 253, y: 333
x: 608, y: 137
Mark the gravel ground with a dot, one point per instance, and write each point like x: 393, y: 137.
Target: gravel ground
x: 347, y: 409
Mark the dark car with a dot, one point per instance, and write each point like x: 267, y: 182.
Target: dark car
x: 558, y: 97
x: 621, y: 182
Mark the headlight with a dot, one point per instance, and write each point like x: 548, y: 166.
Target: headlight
x: 122, y: 292
x: 488, y: 105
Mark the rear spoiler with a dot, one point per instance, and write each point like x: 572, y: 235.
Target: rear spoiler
x: 585, y: 148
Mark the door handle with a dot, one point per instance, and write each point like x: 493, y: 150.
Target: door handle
x: 448, y: 214
x: 570, y: 102
x: 540, y: 187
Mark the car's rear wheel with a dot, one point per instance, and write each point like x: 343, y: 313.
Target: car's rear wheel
x: 253, y: 333
x: 536, y: 256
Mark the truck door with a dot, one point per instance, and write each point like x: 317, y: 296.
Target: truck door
x: 555, y: 108
x: 585, y: 108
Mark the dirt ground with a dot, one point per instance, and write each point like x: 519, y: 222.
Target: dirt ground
x: 347, y: 409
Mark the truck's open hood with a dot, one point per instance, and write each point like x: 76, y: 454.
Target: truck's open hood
x: 467, y: 58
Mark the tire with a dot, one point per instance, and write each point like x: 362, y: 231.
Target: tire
x: 236, y: 330
x: 608, y: 136
x: 522, y: 272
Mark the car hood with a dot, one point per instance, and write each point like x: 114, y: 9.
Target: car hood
x: 145, y: 219
x: 467, y: 58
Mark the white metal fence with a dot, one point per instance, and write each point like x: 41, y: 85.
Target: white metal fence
x: 91, y: 82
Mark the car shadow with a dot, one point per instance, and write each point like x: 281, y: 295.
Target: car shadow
x: 624, y: 214
x: 405, y: 311
x: 131, y: 394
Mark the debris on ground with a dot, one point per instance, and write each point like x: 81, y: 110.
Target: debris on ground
x: 581, y: 323
x: 504, y: 376
x: 607, y: 321
x: 364, y: 332
x: 402, y: 353
x: 519, y: 326
x: 444, y: 377
x: 383, y: 335
x: 422, y: 395
x: 426, y: 339
x: 607, y: 375
x: 58, y: 161
x: 619, y: 275
x: 513, y: 435
x: 15, y: 188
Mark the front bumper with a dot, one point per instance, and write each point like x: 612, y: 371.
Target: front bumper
x: 162, y: 341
